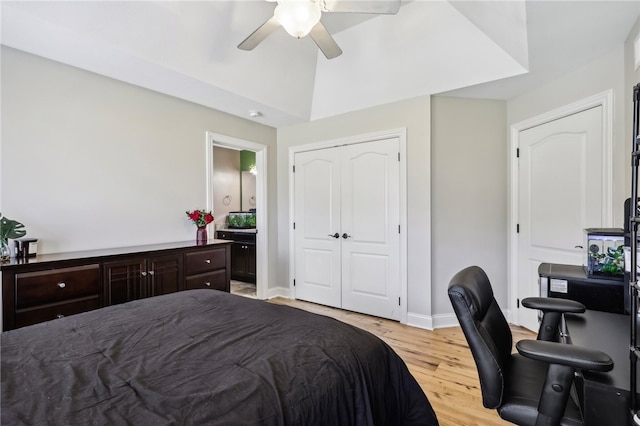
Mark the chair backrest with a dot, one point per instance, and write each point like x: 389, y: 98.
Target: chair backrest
x: 485, y: 328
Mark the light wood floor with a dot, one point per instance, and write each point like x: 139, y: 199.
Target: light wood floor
x: 440, y: 361
x: 242, y: 288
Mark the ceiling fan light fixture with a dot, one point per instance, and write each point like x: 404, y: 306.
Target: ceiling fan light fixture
x: 297, y: 17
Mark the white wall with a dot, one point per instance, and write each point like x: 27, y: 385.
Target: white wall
x: 630, y: 58
x: 412, y: 114
x: 89, y: 162
x: 632, y: 78
x: 605, y: 73
x: 469, y: 180
x: 458, y: 121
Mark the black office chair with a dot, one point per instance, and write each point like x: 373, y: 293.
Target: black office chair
x: 528, y: 388
x: 552, y: 311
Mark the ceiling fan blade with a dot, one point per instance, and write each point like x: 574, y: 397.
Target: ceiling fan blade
x: 386, y: 7
x: 325, y: 42
x: 260, y: 34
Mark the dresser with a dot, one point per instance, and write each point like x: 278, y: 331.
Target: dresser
x: 57, y: 285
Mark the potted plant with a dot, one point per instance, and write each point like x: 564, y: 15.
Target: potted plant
x: 9, y: 229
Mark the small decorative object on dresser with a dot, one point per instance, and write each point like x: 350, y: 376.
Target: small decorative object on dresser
x: 9, y: 229
x: 201, y: 218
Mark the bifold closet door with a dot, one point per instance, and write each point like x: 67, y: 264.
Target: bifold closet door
x: 370, y: 218
x: 317, y: 226
x: 347, y: 227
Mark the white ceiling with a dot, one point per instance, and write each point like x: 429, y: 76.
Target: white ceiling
x: 187, y: 49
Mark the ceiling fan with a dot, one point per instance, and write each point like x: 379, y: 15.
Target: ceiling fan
x: 302, y: 17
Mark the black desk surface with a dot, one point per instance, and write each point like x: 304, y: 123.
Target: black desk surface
x: 558, y: 270
x: 574, y: 273
x: 608, y: 333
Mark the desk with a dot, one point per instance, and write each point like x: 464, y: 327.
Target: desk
x: 605, y: 395
x: 599, y: 294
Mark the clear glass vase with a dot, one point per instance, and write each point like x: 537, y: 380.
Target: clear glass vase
x: 5, y: 252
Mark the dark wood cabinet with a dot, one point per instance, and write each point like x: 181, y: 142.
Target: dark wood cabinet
x: 128, y: 280
x: 165, y: 274
x: 243, y: 254
x: 123, y: 281
x: 243, y: 261
x: 56, y: 285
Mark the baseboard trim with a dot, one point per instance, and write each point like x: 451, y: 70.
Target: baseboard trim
x: 279, y: 292
x: 445, y: 320
x: 450, y: 320
x: 420, y: 321
x: 427, y: 322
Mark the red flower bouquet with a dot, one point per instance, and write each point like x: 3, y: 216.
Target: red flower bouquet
x: 200, y: 217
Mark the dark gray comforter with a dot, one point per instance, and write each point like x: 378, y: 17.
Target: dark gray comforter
x: 204, y: 357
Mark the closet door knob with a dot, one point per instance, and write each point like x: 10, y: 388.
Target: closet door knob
x: 207, y: 261
x: 345, y: 236
x: 208, y: 284
x: 336, y: 235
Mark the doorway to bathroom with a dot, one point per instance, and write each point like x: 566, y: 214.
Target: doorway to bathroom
x: 236, y: 193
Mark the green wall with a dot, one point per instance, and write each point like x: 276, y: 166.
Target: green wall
x: 247, y: 160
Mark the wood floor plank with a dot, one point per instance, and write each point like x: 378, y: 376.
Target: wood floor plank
x: 440, y: 360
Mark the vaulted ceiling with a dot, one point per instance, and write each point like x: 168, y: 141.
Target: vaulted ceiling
x: 187, y: 49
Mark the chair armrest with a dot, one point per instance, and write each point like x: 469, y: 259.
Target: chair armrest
x: 563, y: 361
x: 563, y: 354
x: 550, y: 304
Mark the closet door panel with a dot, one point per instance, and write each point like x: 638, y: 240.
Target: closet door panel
x: 317, y: 220
x: 370, y: 216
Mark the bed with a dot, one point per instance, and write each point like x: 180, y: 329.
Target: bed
x: 204, y: 357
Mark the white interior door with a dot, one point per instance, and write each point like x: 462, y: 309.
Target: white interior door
x: 347, y: 216
x: 317, y: 220
x: 370, y: 220
x: 560, y: 193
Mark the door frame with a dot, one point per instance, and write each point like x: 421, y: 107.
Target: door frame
x: 401, y: 134
x: 262, y: 236
x: 603, y: 99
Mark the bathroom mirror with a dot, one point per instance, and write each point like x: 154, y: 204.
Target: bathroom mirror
x: 248, y: 183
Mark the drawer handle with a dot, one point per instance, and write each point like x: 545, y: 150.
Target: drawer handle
x: 207, y: 261
x: 208, y: 284
x: 62, y: 285
x: 59, y: 316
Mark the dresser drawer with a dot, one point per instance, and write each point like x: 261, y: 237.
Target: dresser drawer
x: 57, y: 285
x: 205, y: 261
x: 249, y: 237
x: 51, y: 312
x: 216, y: 280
